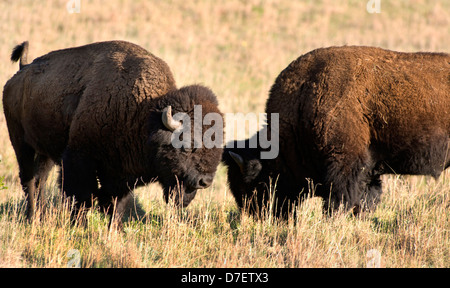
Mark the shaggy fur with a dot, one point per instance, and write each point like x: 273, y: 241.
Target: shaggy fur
x: 347, y: 116
x: 97, y: 110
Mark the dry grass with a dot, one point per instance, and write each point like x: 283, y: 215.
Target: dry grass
x: 237, y: 48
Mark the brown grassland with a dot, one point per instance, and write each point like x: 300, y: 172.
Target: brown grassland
x: 237, y: 48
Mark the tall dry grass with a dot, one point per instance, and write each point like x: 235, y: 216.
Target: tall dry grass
x: 237, y: 48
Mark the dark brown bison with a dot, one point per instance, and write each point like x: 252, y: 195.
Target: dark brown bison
x: 104, y: 111
x: 347, y: 115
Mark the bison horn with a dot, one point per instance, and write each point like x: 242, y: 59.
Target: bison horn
x: 238, y: 159
x: 168, y: 121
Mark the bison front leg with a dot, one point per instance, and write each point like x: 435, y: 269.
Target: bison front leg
x: 113, y: 198
x: 119, y: 208
x: 78, y: 181
x: 372, y: 193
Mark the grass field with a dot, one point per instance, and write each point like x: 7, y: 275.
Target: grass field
x: 237, y: 48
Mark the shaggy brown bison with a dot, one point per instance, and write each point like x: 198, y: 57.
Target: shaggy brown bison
x: 346, y: 116
x: 104, y: 111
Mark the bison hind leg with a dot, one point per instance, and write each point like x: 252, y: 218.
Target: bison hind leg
x: 33, y: 173
x: 42, y: 166
x: 25, y: 158
x: 356, y: 187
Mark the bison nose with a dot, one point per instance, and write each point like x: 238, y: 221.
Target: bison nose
x: 205, y: 182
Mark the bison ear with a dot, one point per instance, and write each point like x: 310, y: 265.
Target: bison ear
x: 250, y: 169
x: 168, y: 121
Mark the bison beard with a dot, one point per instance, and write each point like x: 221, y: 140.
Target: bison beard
x: 103, y: 111
x: 347, y: 116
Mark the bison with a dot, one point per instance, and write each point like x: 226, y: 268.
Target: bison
x: 103, y: 112
x: 347, y: 115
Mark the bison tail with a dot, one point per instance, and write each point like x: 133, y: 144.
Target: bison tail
x: 20, y: 52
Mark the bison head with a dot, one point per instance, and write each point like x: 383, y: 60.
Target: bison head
x: 184, y: 158
x: 248, y: 178
x: 259, y: 186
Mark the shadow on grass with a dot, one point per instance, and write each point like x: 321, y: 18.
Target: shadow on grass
x: 14, y: 209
